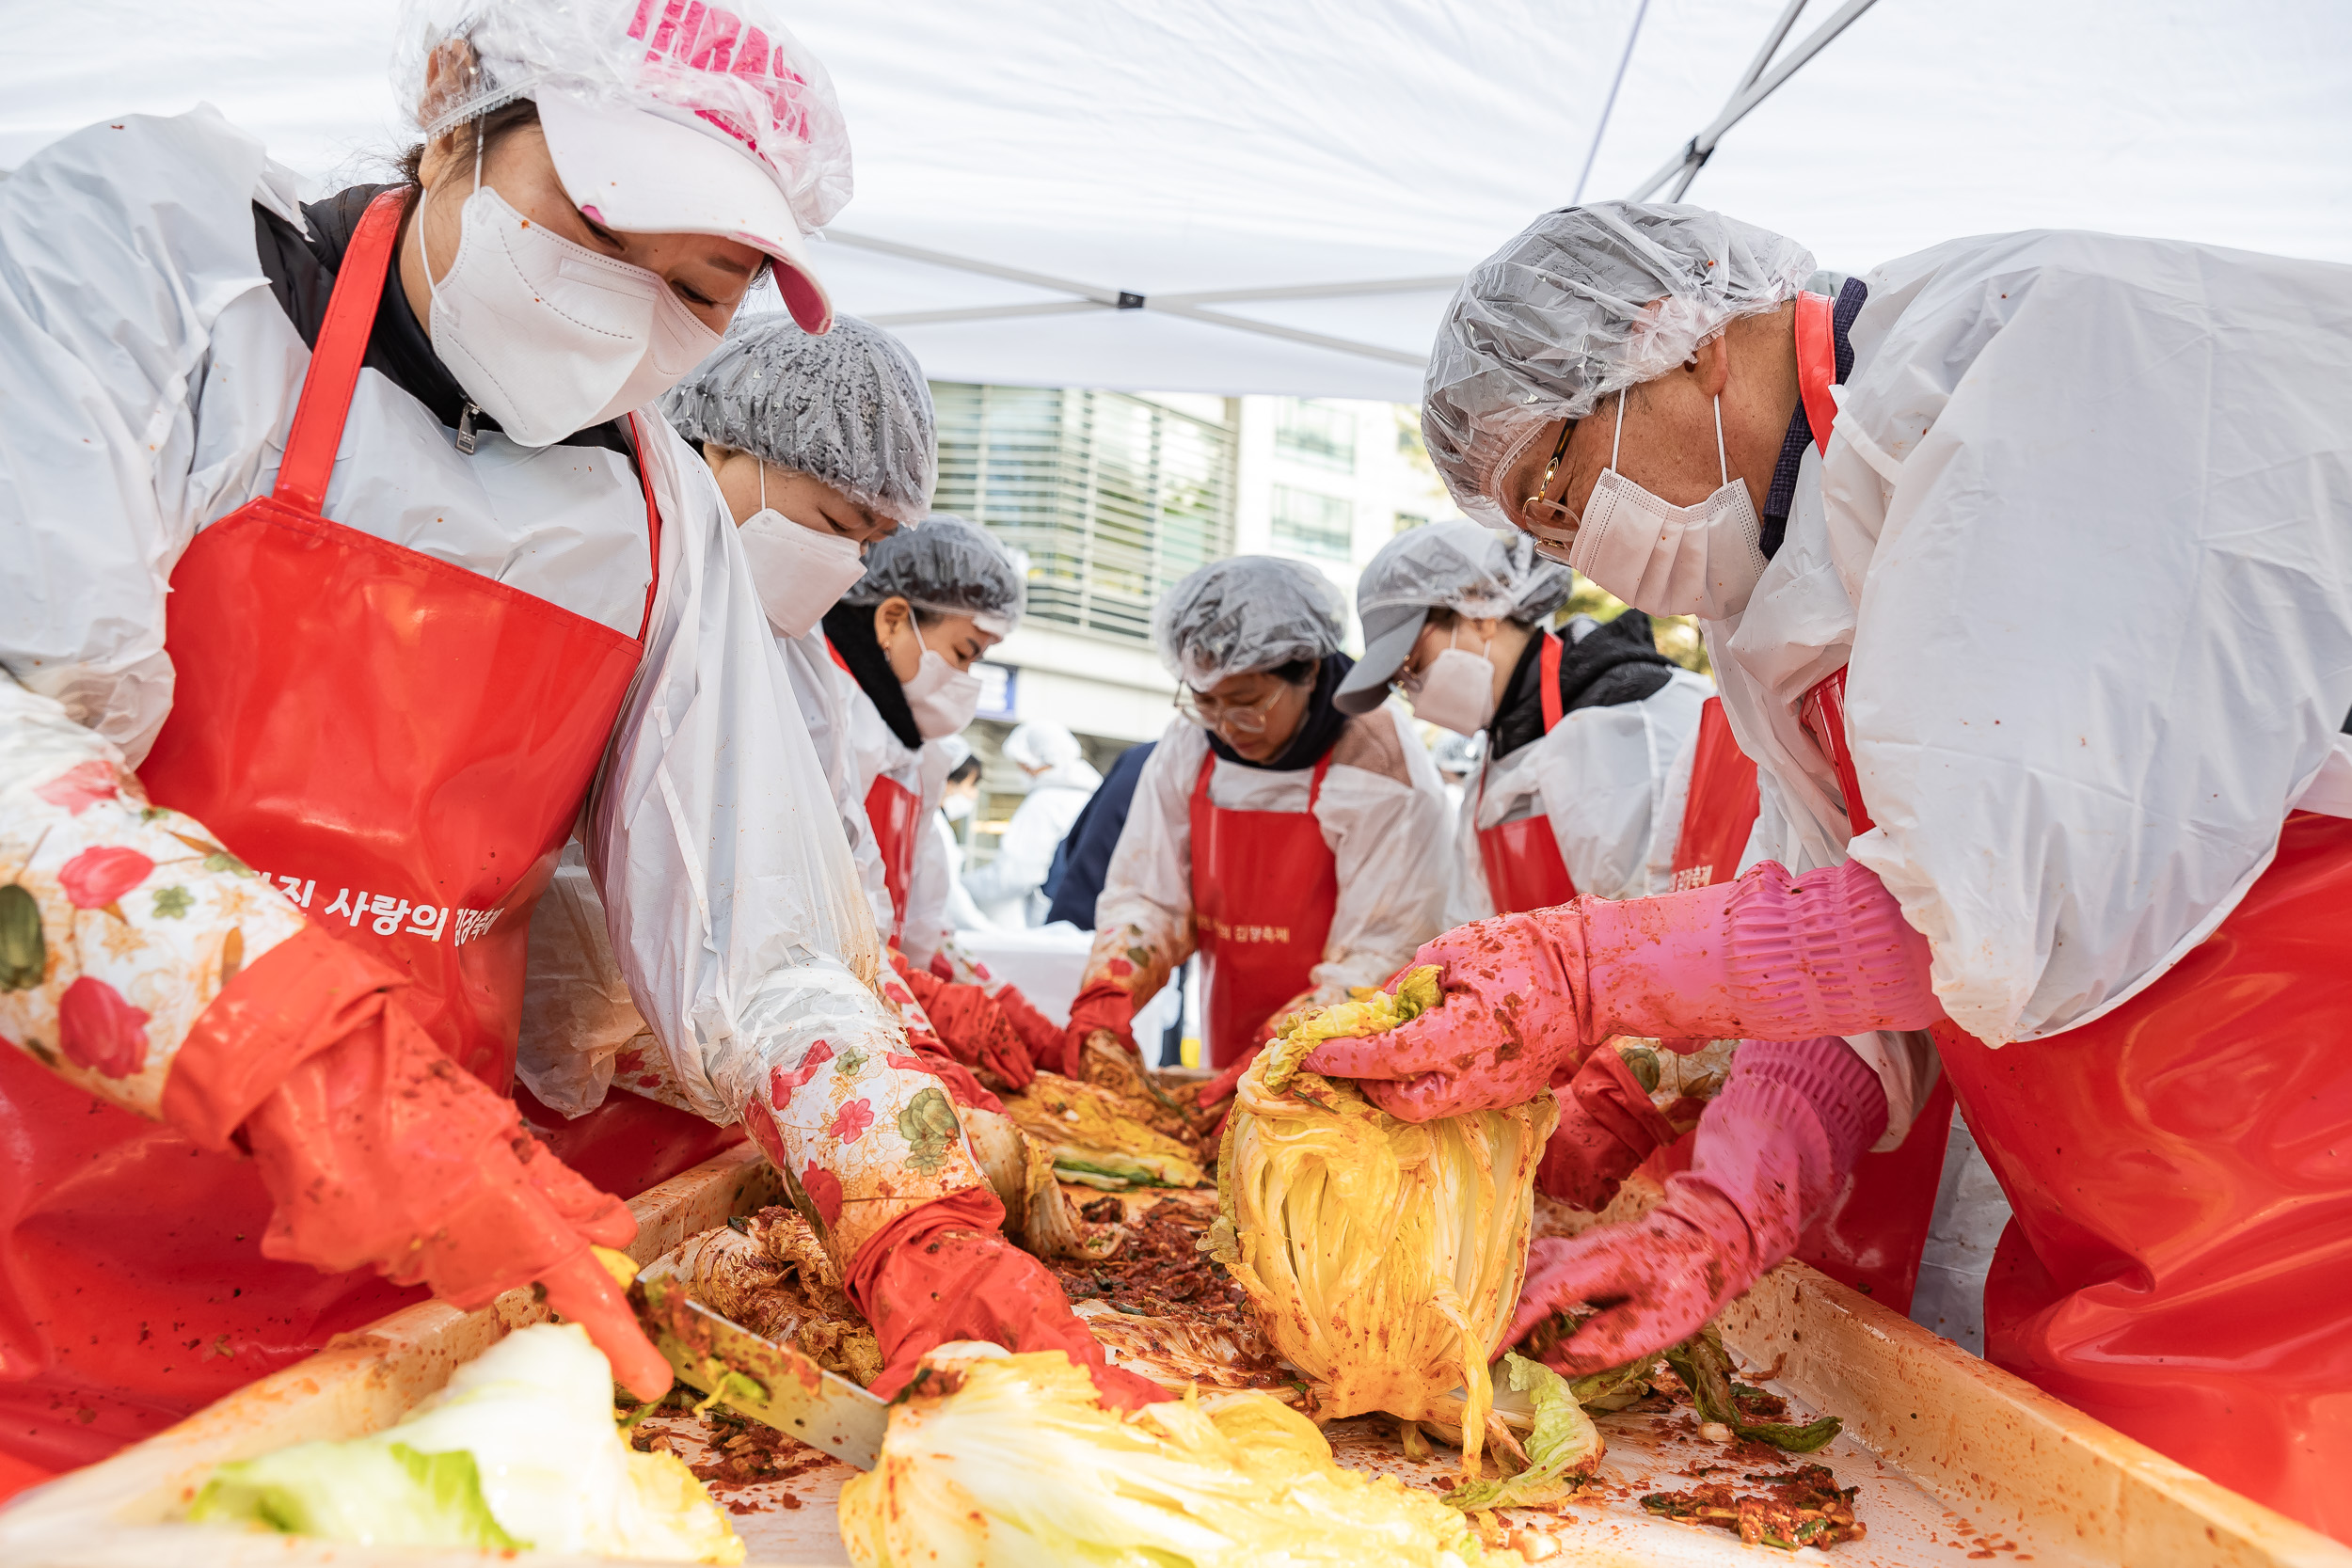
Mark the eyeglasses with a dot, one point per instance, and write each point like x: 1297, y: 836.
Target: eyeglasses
x: 1214, y: 713
x: 1548, y: 521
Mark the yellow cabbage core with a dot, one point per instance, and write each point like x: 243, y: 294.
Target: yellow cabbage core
x: 1021, y: 1464
x: 1383, y: 1258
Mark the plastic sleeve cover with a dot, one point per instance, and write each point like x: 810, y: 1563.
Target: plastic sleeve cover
x: 120, y: 923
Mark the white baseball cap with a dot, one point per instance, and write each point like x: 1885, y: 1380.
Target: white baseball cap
x: 661, y: 115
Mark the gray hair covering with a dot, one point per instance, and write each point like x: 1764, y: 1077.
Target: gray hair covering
x: 1455, y: 566
x: 850, y: 409
x: 950, y: 567
x: 1243, y: 614
x: 1586, y: 301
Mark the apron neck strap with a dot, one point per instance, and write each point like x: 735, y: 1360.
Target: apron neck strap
x: 1550, y: 675
x: 335, y: 358
x: 1817, y: 364
x: 653, y: 524
x: 1314, y: 784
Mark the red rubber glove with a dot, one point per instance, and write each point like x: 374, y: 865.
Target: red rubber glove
x: 942, y: 966
x: 973, y: 1028
x: 1101, y: 1006
x: 1607, y: 1126
x: 380, y: 1153
x: 1774, y: 1148
x: 1527, y: 996
x: 1039, y: 1033
x: 944, y: 1272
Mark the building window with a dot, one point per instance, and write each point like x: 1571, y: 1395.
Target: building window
x: 1313, y: 524
x: 1312, y: 431
x: 1113, y: 497
x: 1409, y: 520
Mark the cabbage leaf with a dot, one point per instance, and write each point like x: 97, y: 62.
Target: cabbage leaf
x: 1563, y: 1450
x: 519, y: 1450
x: 1019, y: 1464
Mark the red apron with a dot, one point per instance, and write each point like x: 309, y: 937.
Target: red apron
x: 1524, y: 870
x: 1719, y: 810
x: 402, y: 745
x: 1265, y: 885
x: 2178, y: 1256
x: 895, y: 815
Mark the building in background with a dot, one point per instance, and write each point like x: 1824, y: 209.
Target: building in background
x: 1115, y: 496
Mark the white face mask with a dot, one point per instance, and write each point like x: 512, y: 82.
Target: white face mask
x: 943, y: 698
x: 958, y: 807
x: 799, y: 573
x: 1458, y: 691
x: 547, y: 337
x: 1700, y: 560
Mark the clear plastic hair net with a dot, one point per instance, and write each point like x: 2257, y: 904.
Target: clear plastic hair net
x: 1042, y: 743
x: 1586, y: 300
x: 730, y: 64
x: 850, y: 409
x: 1472, y: 571
x: 1246, y: 613
x: 949, y: 567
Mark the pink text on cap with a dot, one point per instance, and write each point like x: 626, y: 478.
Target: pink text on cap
x: 712, y: 39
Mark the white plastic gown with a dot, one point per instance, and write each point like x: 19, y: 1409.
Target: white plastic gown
x: 1601, y: 775
x: 922, y: 771
x: 1383, y: 811
x: 2084, y: 530
x: 1003, y: 887
x: 150, y: 378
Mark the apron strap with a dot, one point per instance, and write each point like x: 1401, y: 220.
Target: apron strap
x: 1817, y: 364
x: 653, y: 524
x: 841, y: 663
x: 1549, y: 675
x: 1208, y: 765
x: 1315, y: 785
x: 335, y: 359
x: 1201, y: 780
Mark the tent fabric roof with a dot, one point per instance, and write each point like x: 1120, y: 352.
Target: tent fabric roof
x: 1185, y: 149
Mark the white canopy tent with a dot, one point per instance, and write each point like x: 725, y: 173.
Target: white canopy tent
x: 1201, y: 195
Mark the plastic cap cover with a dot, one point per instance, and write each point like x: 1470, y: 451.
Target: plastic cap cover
x: 1454, y: 565
x: 664, y: 116
x: 1243, y: 614
x: 949, y: 567
x: 1586, y: 300
x: 1042, y: 743
x: 850, y: 409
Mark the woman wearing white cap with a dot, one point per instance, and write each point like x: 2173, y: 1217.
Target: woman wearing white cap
x: 1303, y: 850
x: 433, y: 573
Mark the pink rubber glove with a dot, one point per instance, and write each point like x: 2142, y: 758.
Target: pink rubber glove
x: 1607, y: 1126
x: 1527, y: 996
x: 1774, y: 1147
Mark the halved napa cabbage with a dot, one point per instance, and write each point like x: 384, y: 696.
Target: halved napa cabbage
x: 1383, y: 1258
x: 1094, y: 1139
x: 1021, y: 1464
x: 519, y: 1450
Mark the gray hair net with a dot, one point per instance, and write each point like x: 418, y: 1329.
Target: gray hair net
x: 948, y: 567
x: 1243, y: 614
x: 850, y: 409
x: 1472, y: 571
x: 1042, y: 743
x: 1586, y: 300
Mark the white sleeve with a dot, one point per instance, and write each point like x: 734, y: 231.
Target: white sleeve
x: 2098, y: 489
x: 1603, y: 772
x: 1397, y: 865
x: 124, y: 245
x: 825, y: 693
x: 1146, y: 904
x: 1473, y: 899
x: 733, y: 903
